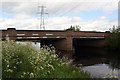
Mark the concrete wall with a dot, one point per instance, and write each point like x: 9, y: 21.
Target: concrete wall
x: 64, y: 37
x: 12, y: 34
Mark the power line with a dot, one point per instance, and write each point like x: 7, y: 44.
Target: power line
x: 59, y: 9
x: 70, y: 10
x: 41, y: 13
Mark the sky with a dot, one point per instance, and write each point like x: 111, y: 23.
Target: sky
x: 90, y: 15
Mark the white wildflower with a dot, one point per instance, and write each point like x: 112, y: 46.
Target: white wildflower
x: 31, y: 75
x: 7, y: 65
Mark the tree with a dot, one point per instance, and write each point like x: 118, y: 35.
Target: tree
x: 75, y: 28
x: 113, y: 40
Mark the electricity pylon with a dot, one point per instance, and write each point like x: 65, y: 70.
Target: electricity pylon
x: 41, y: 13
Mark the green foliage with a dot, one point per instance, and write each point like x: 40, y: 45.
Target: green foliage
x: 24, y: 61
x: 75, y: 28
x: 113, y: 40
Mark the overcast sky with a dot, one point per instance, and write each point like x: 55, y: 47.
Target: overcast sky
x: 97, y: 15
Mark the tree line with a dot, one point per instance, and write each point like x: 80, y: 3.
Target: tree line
x: 113, y: 40
x: 75, y: 28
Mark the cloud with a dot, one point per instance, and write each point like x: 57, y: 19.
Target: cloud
x: 100, y: 24
x: 21, y: 16
x: 24, y: 13
x: 59, y: 0
x: 58, y: 7
x: 102, y: 17
x: 58, y: 23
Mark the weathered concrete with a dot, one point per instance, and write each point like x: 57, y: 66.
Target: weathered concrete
x: 61, y: 39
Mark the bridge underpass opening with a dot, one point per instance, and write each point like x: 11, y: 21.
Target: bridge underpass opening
x: 58, y: 43
x: 51, y: 41
x: 88, y: 46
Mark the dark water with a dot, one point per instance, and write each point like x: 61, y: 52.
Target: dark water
x: 98, y: 62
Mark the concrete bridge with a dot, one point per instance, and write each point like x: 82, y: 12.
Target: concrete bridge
x: 60, y: 39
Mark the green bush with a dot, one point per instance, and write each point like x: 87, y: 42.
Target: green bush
x: 24, y: 61
x: 113, y: 40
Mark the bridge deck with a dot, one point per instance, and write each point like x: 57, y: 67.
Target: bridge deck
x: 61, y: 39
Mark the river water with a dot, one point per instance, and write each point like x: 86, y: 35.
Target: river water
x: 97, y: 62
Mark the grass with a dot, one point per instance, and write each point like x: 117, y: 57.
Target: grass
x: 24, y: 61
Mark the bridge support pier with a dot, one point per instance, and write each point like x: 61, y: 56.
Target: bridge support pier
x: 69, y: 43
x: 11, y: 33
x: 62, y: 44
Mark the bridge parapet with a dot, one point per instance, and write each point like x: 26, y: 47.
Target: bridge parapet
x: 62, y: 39
x: 14, y: 34
x: 88, y: 34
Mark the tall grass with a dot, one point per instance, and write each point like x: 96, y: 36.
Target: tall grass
x: 24, y: 61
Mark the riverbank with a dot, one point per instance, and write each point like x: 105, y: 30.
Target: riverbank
x: 24, y: 61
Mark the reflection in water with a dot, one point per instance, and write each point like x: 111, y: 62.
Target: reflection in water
x: 101, y: 71
x: 98, y: 62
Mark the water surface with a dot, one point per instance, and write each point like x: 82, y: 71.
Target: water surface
x: 98, y: 62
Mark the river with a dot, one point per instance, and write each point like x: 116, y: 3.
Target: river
x: 97, y: 62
